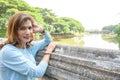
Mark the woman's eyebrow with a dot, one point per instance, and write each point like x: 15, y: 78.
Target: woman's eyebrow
x: 26, y: 26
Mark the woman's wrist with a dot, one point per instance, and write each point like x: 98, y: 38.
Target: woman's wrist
x: 48, y: 51
x: 43, y: 31
x: 47, y: 54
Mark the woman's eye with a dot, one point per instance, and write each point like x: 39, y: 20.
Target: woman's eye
x: 29, y: 28
x: 22, y: 28
x: 25, y: 28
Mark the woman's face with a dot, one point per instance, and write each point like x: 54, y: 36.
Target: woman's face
x: 25, y: 32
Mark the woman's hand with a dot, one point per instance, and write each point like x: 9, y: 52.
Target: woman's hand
x: 37, y: 28
x: 50, y: 48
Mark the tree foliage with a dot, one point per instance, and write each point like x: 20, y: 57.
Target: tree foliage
x: 117, y: 30
x: 43, y: 16
x: 110, y: 28
x: 74, y: 25
x: 113, y: 28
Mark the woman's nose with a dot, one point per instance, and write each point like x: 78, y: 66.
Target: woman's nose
x: 27, y: 30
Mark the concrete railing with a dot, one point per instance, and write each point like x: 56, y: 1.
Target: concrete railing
x: 82, y: 63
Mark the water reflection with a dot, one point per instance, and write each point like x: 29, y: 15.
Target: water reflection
x: 92, y: 40
x: 117, y: 39
x: 96, y: 40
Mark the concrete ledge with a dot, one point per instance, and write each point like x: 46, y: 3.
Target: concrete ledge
x: 82, y: 63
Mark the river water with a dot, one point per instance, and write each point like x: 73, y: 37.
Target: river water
x: 96, y: 41
x: 92, y: 40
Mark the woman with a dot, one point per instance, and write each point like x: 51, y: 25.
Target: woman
x: 17, y: 54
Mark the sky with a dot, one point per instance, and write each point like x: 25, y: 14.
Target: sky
x: 92, y: 14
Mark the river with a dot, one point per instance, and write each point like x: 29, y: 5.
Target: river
x: 96, y: 41
x: 93, y: 40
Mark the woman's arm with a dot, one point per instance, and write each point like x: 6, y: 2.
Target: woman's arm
x: 38, y: 45
x: 13, y: 59
x: 48, y: 52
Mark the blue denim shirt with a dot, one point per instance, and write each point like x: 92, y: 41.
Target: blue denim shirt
x: 20, y: 64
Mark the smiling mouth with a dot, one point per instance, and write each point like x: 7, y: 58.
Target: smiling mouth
x: 27, y: 37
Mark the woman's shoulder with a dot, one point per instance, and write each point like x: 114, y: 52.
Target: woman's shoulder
x: 8, y: 47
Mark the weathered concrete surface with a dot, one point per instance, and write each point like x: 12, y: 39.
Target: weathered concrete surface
x: 82, y: 63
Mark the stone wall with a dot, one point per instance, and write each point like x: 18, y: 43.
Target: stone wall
x: 82, y: 63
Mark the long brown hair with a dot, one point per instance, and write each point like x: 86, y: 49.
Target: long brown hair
x: 12, y: 31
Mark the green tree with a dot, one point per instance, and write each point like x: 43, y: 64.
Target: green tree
x: 61, y: 26
x: 43, y: 16
x: 74, y: 25
x: 111, y: 28
x: 48, y: 17
x: 117, y: 30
